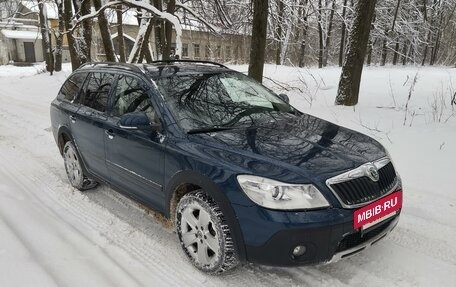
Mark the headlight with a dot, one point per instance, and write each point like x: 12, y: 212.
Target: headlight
x: 278, y: 195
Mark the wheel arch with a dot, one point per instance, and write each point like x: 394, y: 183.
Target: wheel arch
x: 184, y: 182
x: 63, y: 136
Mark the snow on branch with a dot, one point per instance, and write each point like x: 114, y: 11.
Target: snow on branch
x: 197, y: 16
x: 141, y: 5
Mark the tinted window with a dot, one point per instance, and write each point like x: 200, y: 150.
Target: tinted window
x: 96, y: 91
x: 71, y: 87
x: 130, y: 96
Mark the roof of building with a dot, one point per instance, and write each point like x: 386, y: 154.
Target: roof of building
x: 50, y: 8
x: 19, y: 34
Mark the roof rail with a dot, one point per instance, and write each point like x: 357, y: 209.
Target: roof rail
x: 114, y: 64
x: 188, y: 61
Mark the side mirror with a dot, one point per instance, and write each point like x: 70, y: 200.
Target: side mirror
x: 284, y: 98
x: 135, y: 121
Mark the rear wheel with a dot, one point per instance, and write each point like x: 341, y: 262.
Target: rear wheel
x: 73, y: 167
x: 204, y: 235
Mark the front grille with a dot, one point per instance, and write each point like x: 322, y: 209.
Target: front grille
x: 363, y: 189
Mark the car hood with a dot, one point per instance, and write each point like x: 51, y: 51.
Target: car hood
x: 301, y: 144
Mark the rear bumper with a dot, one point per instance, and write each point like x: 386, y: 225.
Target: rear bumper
x: 327, y: 236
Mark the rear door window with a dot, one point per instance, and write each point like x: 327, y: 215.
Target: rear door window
x: 96, y: 91
x: 70, y: 89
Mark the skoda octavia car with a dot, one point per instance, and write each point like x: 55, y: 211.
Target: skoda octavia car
x: 241, y: 174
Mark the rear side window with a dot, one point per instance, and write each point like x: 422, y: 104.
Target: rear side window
x: 71, y: 88
x: 96, y: 91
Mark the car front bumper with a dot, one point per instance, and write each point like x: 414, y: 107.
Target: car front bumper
x: 327, y: 235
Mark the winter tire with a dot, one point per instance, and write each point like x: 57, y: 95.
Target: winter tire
x: 73, y: 167
x: 204, y: 235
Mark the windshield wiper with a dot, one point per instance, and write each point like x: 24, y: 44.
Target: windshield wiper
x: 208, y: 130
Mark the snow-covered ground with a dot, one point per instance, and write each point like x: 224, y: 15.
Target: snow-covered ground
x: 53, y: 235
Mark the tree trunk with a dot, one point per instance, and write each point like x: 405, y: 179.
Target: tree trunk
x: 387, y: 32
x: 302, y: 48
x: 370, y: 45
x: 425, y: 52
x: 328, y: 35
x: 437, y: 41
x: 86, y: 42
x: 348, y: 91
x: 258, y: 42
x: 396, y: 53
x: 120, y: 35
x: 428, y: 37
x: 144, y: 50
x: 342, y: 37
x: 143, y: 26
x: 279, y: 31
x: 320, y: 36
x: 59, y: 37
x: 105, y: 33
x: 46, y: 41
x: 404, y: 53
x: 68, y: 15
x: 168, y: 30
x: 159, y: 30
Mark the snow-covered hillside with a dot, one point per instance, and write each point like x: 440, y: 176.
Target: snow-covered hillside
x: 53, y: 235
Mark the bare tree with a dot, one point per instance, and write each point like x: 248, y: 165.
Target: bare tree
x: 328, y: 34
x: 105, y: 33
x: 168, y: 32
x: 46, y: 39
x: 342, y: 34
x: 304, y: 10
x: 387, y: 33
x: 320, y: 36
x: 59, y: 36
x: 280, y: 7
x: 350, y: 78
x: 72, y: 44
x: 120, y: 34
x: 258, y: 42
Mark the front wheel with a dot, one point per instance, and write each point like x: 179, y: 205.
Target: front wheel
x: 73, y: 167
x: 204, y: 235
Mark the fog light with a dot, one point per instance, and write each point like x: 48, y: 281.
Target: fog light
x: 299, y: 250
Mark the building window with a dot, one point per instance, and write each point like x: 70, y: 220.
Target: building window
x: 185, y: 50
x: 228, y: 52
x: 208, y: 52
x: 196, y: 50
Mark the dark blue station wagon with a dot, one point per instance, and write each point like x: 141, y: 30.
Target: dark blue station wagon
x: 241, y: 174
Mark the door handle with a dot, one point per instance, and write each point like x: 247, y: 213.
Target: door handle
x: 110, y: 134
x: 73, y: 119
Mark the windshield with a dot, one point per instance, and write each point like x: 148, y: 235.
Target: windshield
x: 226, y: 99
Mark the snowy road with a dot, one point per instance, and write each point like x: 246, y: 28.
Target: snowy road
x: 53, y: 235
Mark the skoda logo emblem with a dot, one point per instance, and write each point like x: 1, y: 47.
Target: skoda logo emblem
x: 372, y: 173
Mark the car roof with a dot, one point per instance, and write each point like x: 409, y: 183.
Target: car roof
x: 159, y: 69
